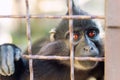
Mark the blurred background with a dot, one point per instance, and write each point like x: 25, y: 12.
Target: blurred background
x: 13, y: 30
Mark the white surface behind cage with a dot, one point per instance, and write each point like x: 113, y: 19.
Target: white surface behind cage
x: 5, y: 38
x: 5, y: 23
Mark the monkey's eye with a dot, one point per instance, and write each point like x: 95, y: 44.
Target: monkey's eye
x: 76, y: 37
x: 92, y: 33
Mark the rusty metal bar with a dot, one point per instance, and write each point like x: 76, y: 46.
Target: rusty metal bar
x: 70, y: 12
x: 28, y: 32
x: 63, y: 58
x: 55, y: 17
x: 112, y: 41
x: 70, y: 17
x: 114, y: 27
x: 12, y: 16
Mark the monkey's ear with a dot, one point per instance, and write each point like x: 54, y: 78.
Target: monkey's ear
x: 52, y: 33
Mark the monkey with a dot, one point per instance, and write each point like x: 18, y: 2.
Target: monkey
x: 87, y: 42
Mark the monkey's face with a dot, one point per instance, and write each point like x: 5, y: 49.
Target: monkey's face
x: 87, y: 43
x: 86, y: 47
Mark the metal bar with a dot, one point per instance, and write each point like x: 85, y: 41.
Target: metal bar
x: 114, y: 27
x: 28, y: 32
x: 69, y: 17
x: 112, y: 41
x: 63, y: 58
x: 70, y: 12
x: 12, y: 16
x: 55, y: 17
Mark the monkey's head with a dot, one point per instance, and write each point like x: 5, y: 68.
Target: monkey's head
x: 87, y: 39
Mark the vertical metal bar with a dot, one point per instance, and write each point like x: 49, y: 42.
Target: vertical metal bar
x: 28, y: 28
x: 112, y: 41
x: 71, y: 40
x: 105, y: 10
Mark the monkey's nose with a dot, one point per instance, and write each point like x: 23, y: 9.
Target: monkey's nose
x: 87, y: 48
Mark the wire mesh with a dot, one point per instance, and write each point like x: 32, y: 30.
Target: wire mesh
x: 70, y: 17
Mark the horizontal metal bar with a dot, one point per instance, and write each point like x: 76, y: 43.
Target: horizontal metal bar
x: 113, y: 27
x: 55, y: 17
x: 63, y: 58
x: 12, y: 16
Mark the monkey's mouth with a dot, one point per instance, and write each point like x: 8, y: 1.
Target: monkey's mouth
x: 85, y: 65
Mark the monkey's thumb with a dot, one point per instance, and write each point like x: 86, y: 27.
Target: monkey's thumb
x: 17, y: 54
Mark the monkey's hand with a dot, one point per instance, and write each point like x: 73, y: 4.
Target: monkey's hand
x: 8, y: 54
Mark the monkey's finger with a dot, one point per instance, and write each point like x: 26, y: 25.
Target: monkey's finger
x: 10, y: 60
x: 3, y: 59
x: 2, y: 72
x: 4, y: 69
x: 17, y: 54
